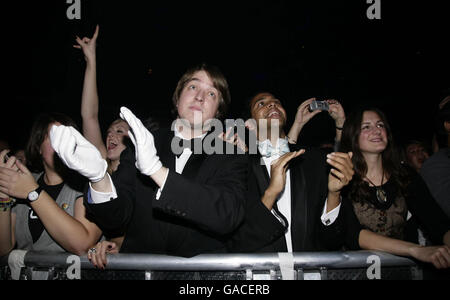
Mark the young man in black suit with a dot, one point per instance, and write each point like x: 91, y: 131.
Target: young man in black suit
x: 293, y: 198
x: 180, y: 205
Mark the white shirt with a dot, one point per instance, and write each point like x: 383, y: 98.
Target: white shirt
x: 283, y: 203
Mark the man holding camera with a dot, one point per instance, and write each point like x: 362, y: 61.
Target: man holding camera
x: 293, y: 199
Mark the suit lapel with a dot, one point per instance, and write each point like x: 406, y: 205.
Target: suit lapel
x: 164, y: 150
x: 299, y: 205
x: 260, y: 172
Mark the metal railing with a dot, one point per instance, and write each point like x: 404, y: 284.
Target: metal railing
x: 358, y: 265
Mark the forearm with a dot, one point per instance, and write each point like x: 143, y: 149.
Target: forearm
x: 269, y: 199
x: 103, y: 186
x: 369, y: 240
x: 333, y: 200
x: 294, y: 132
x: 89, y: 109
x: 6, y: 239
x: 89, y: 99
x: 70, y: 233
x: 160, y: 176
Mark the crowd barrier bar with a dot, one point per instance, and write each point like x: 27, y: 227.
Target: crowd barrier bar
x: 270, y: 264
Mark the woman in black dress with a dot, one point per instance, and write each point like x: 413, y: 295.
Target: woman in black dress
x: 383, y: 195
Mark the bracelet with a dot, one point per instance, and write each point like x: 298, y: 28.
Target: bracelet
x: 340, y: 128
x: 6, y: 203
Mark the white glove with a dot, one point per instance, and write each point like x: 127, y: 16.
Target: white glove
x: 77, y: 153
x: 147, y: 160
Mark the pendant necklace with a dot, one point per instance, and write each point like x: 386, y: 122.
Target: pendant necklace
x: 380, y: 192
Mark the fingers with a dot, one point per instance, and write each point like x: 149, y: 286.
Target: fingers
x: 285, y: 159
x: 98, y: 254
x: 342, y: 163
x: 306, y: 103
x: 251, y: 124
x: 55, y: 137
x: 441, y: 258
x: 22, y: 167
x: 136, y: 126
x: 97, y: 29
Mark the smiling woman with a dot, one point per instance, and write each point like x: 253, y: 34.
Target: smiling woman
x: 384, y: 193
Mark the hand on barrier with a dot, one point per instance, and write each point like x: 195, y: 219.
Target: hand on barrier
x: 147, y: 160
x: 77, y: 153
x: 97, y: 254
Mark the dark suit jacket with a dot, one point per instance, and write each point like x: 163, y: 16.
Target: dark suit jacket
x: 263, y: 232
x: 195, y: 213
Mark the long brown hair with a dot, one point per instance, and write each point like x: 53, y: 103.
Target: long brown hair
x: 358, y: 190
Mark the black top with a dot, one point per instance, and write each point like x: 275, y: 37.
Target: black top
x: 427, y: 215
x: 34, y: 223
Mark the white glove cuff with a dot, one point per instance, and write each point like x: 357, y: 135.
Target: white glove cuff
x: 153, y: 169
x: 101, y: 174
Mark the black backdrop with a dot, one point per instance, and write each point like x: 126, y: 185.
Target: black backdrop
x: 296, y: 49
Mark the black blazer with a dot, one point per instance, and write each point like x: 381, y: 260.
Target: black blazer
x: 195, y: 213
x: 263, y: 232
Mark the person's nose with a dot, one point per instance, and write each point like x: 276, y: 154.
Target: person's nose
x: 271, y: 104
x: 200, y: 96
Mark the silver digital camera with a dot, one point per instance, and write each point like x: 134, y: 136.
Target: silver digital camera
x: 319, y: 105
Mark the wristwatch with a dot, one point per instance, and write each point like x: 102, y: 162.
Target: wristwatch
x: 34, y: 195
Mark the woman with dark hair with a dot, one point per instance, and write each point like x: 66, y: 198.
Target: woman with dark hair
x: 49, y: 214
x: 382, y: 193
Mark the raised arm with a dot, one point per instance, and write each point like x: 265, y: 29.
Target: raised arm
x: 301, y: 118
x: 89, y: 99
x: 338, y: 114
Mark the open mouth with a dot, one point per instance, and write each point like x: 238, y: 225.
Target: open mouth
x: 112, y: 146
x: 274, y: 114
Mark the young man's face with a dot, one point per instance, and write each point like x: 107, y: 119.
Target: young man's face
x: 266, y: 106
x: 199, y: 99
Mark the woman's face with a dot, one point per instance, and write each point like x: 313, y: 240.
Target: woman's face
x: 114, y: 139
x: 373, y: 136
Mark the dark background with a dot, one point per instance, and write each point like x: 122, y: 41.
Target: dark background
x: 295, y: 49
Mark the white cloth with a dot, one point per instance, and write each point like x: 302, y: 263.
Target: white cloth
x: 147, y: 160
x: 77, y: 153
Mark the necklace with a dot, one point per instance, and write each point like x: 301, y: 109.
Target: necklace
x: 380, y: 192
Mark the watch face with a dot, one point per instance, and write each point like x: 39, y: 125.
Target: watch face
x: 33, y: 196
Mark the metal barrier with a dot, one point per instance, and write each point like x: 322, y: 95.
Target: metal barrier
x: 358, y: 265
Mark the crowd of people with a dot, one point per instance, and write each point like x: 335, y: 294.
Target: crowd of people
x: 127, y: 191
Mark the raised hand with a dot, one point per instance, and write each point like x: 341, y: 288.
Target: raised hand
x: 303, y: 115
x: 278, y: 170
x: 88, y: 45
x: 336, y: 112
x: 77, y: 153
x: 342, y: 171
x: 147, y: 160
x: 15, y: 179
